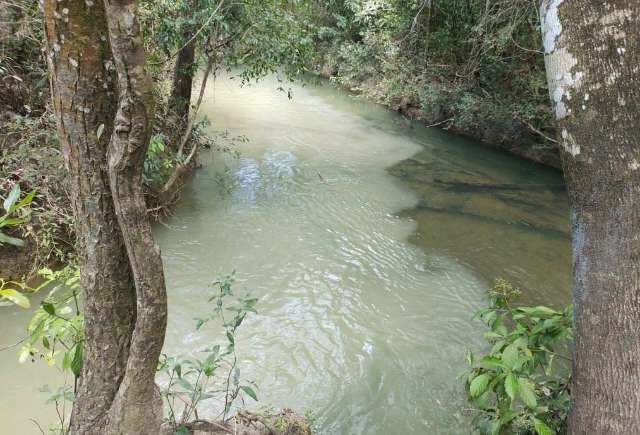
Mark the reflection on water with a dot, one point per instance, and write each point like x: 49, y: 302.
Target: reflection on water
x: 369, y: 241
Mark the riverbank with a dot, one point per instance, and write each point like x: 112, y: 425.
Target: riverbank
x: 475, y: 69
x: 30, y: 157
x: 506, y: 134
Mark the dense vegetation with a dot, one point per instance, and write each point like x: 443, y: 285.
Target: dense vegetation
x: 471, y: 66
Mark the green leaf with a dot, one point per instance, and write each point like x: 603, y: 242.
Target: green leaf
x: 49, y: 308
x: 66, y: 360
x: 491, y: 362
x: 469, y: 356
x: 250, y: 392
x: 11, y: 198
x: 11, y: 222
x: 16, y: 297
x: 539, y: 311
x: 185, y: 384
x: 26, y: 200
x: 542, y: 428
x: 527, y: 394
x: 10, y: 240
x: 511, y: 386
x: 478, y: 385
x: 508, y: 416
x: 510, y: 355
x: 76, y: 361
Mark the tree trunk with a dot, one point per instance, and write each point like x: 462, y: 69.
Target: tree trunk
x: 592, y: 53
x: 180, y: 99
x: 137, y: 408
x: 84, y: 103
x: 124, y: 328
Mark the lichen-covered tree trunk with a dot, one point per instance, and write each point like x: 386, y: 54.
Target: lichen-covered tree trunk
x: 592, y: 55
x: 137, y: 408
x: 84, y: 101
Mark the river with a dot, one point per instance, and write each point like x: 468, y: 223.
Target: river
x: 369, y: 240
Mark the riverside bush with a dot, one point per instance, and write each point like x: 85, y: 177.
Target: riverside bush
x: 521, y: 386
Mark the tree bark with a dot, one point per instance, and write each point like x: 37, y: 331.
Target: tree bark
x: 84, y: 103
x: 121, y: 268
x: 180, y: 99
x: 137, y: 408
x: 592, y: 53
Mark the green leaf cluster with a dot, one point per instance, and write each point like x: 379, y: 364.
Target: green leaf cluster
x: 16, y: 213
x: 521, y: 386
x: 56, y: 330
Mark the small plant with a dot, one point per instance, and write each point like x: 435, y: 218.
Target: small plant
x: 159, y: 161
x: 215, y: 374
x: 516, y: 388
x: 15, y: 213
x: 56, y: 336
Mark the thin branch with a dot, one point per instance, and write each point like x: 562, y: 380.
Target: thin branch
x: 38, y: 425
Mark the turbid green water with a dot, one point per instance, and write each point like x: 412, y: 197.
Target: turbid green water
x: 370, y: 242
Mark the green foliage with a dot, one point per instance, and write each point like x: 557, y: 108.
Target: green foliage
x: 261, y: 37
x: 56, y: 336
x: 31, y: 157
x: 518, y: 387
x: 215, y: 373
x: 159, y: 161
x: 56, y: 330
x: 16, y: 213
x: 10, y: 295
x: 474, y: 63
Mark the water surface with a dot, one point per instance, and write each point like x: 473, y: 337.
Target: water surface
x: 369, y: 240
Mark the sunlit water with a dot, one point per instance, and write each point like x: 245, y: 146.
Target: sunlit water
x: 369, y: 245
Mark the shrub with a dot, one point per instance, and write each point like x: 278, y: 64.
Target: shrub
x: 518, y: 387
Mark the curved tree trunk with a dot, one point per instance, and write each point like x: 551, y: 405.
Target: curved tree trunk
x: 592, y: 53
x: 84, y: 103
x: 137, y: 408
x: 124, y: 327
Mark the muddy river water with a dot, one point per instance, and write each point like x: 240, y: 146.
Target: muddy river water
x: 369, y: 240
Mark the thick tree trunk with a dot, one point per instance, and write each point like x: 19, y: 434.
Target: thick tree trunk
x: 592, y: 53
x: 137, y: 408
x: 124, y: 328
x: 84, y: 101
x: 180, y: 99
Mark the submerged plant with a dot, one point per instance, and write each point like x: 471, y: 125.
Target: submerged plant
x: 518, y: 387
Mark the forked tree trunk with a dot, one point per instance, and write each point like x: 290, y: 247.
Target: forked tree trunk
x: 124, y: 328
x: 592, y: 55
x: 84, y: 101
